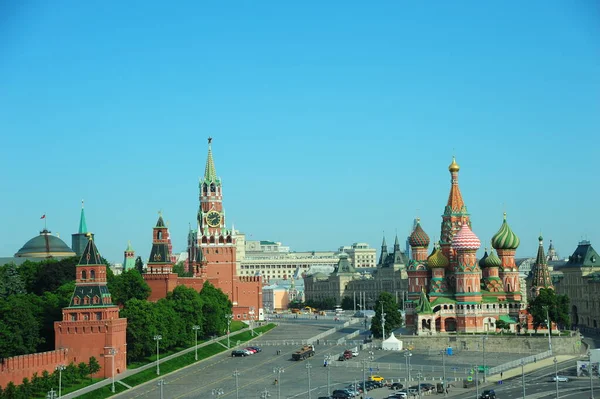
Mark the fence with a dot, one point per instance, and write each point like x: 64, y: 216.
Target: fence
x: 516, y: 363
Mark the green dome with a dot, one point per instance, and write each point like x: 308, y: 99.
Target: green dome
x: 437, y: 260
x: 45, y: 246
x: 482, y: 260
x: 492, y: 260
x: 505, y: 238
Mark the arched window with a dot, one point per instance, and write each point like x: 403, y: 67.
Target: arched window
x: 92, y: 274
x: 205, y: 189
x: 83, y: 275
x: 76, y: 300
x: 86, y: 300
x: 159, y: 235
x: 213, y: 188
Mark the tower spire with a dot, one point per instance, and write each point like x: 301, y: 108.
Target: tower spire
x: 82, y: 224
x: 540, y: 273
x: 210, y: 173
x: 455, y: 200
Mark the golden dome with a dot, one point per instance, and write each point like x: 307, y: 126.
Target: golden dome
x: 453, y: 166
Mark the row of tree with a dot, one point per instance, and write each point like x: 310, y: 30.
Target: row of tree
x: 40, y: 385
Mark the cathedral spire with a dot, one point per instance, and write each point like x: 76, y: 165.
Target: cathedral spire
x: 82, y: 224
x: 384, y: 252
x: 210, y: 173
x: 540, y: 273
x: 455, y: 200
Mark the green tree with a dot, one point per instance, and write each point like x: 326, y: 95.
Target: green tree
x: 139, y: 264
x: 179, y: 268
x: 502, y: 325
x: 347, y: 303
x: 189, y: 305
x: 557, y: 307
x: 82, y: 370
x: 215, y: 306
x: 128, y: 285
x: 295, y: 304
x: 10, y: 392
x: 52, y: 274
x: 19, y: 325
x: 11, y: 282
x: 393, y: 318
x: 142, y: 325
x: 93, y: 366
x: 26, y: 389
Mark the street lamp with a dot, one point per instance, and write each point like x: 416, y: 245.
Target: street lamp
x: 251, y: 314
x: 112, y: 352
x: 278, y: 371
x: 236, y: 374
x: 60, y: 369
x: 217, y: 392
x: 407, y: 356
x: 382, y: 321
x: 556, y: 375
x: 591, y: 371
x: 523, y: 376
x: 228, y: 317
x: 51, y: 394
x: 443, y: 353
x: 549, y: 324
x: 371, y: 358
x: 476, y: 372
x: 484, y: 338
x: 265, y: 394
x: 157, y: 338
x: 308, y: 367
x: 161, y: 384
x: 196, y: 328
x: 419, y: 375
x: 328, y: 359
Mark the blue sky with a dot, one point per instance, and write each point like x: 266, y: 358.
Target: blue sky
x: 332, y: 121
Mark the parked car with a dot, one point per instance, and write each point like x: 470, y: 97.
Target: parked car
x: 426, y: 387
x: 560, y: 378
x: 396, y: 385
x: 342, y: 393
x: 251, y: 350
x: 354, y: 352
x: 376, y: 378
x: 488, y: 394
x: 256, y: 349
x: 239, y: 353
x: 399, y: 395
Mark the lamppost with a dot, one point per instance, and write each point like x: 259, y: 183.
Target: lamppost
x: 196, y: 328
x: 157, y: 338
x: 443, y: 352
x: 556, y: 375
x: 364, y: 362
x: 382, y: 321
x: 328, y: 359
x: 476, y: 372
x: 549, y: 324
x: 161, y: 384
x: 217, y: 392
x: 371, y: 358
x: 60, y: 369
x: 484, y: 338
x: 591, y: 371
x: 51, y: 394
x: 308, y: 367
x: 407, y: 356
x: 419, y: 375
x: 112, y: 352
x: 251, y: 314
x: 278, y: 371
x: 523, y: 376
x: 236, y: 374
x: 228, y: 317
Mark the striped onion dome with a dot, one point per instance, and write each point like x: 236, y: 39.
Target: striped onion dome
x: 418, y: 237
x: 437, y: 259
x: 492, y: 260
x: 482, y: 260
x: 505, y: 238
x: 465, y: 239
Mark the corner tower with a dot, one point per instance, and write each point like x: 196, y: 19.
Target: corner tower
x: 129, y: 261
x: 79, y: 240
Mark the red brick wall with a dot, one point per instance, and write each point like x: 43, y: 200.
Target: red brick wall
x: 16, y: 368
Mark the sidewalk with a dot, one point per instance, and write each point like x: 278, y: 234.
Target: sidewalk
x: 549, y: 361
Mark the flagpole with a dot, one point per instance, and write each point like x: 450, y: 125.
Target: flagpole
x: 45, y: 220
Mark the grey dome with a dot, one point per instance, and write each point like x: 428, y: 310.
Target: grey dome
x: 44, y: 246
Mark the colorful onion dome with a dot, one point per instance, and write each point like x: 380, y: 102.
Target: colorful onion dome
x: 453, y: 166
x: 482, y: 260
x: 418, y: 237
x: 437, y: 259
x: 492, y: 260
x: 505, y: 238
x: 465, y: 239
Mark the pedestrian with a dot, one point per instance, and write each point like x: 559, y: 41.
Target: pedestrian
x: 501, y: 374
x: 535, y: 359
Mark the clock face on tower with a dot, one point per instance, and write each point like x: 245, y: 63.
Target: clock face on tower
x: 213, y: 218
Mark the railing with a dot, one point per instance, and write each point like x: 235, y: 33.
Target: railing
x: 516, y: 363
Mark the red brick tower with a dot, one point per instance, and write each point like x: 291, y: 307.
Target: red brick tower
x: 91, y: 325
x: 467, y: 273
x: 159, y: 274
x: 454, y: 217
x: 215, y: 240
x: 506, y: 243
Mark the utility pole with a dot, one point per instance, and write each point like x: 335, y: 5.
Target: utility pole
x: 591, y: 371
x: 60, y: 369
x: 236, y: 374
x: 407, y: 356
x: 549, y: 330
x: 157, y: 338
x: 328, y: 359
x: 196, y: 328
x: 278, y: 371
x: 523, y: 377
x: 444, y: 370
x: 228, y: 317
x: 113, y: 352
x: 477, y: 380
x: 382, y: 321
x: 484, y: 338
x: 161, y: 384
x: 556, y: 375
x: 419, y: 375
x: 308, y: 367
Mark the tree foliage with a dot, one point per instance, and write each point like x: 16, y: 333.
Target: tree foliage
x: 20, y: 325
x: 128, y: 285
x: 179, y: 268
x: 325, y: 303
x: 47, y: 275
x: 139, y: 264
x: 393, y: 317
x: 347, y: 303
x: 557, y: 306
x: 11, y: 282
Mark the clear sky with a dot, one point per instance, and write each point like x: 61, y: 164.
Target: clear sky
x: 333, y: 121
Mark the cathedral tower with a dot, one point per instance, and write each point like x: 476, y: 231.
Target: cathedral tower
x: 506, y: 243
x: 129, y: 262
x: 418, y: 274
x: 467, y: 273
x: 540, y: 275
x: 91, y: 325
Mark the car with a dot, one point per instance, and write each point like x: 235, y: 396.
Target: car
x: 488, y: 394
x: 251, y: 350
x: 354, y: 352
x: 396, y: 385
x: 342, y: 393
x: 399, y: 395
x: 425, y: 387
x: 255, y: 348
x: 377, y: 378
x: 239, y: 353
x: 560, y: 378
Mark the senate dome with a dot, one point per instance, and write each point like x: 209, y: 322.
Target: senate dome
x: 45, y: 246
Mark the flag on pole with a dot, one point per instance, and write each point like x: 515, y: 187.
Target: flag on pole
x: 43, y: 216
